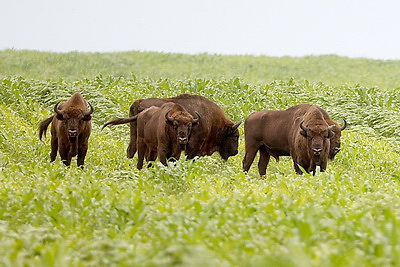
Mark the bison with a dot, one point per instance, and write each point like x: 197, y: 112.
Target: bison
x: 300, y: 132
x: 162, y: 132
x: 70, y: 130
x: 215, y: 132
x: 335, y: 146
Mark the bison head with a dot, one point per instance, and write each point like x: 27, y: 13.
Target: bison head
x: 73, y: 119
x: 230, y: 141
x: 335, y: 140
x: 182, y: 123
x: 318, y: 138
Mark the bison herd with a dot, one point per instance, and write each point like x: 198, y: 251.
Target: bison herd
x: 163, y: 128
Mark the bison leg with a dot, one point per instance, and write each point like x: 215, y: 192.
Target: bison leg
x: 82, y: 150
x: 191, y: 153
x: 54, y: 148
x: 190, y: 156
x: 151, y: 157
x: 162, y: 156
x: 297, y: 169
x: 249, y: 156
x: 176, y: 154
x: 132, y: 147
x: 312, y: 168
x: 194, y: 147
x: 64, y: 154
x: 263, y: 161
x: 307, y: 166
x: 323, y: 166
x: 131, y: 150
x: 142, y: 151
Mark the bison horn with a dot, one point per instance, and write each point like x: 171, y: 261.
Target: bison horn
x: 56, y: 110
x: 344, y: 126
x: 90, y: 111
x: 196, y: 120
x: 235, y: 126
x: 303, y: 127
x: 168, y: 117
x: 87, y: 115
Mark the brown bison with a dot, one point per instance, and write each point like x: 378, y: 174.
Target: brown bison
x: 300, y: 132
x: 215, y: 131
x: 335, y: 146
x: 162, y: 132
x: 70, y: 130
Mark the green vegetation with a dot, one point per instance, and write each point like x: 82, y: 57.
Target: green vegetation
x: 330, y: 69
x: 205, y: 212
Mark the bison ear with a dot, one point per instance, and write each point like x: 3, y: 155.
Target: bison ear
x: 330, y: 131
x: 303, y: 129
x: 87, y: 117
x: 196, y: 121
x: 60, y: 116
x: 169, y: 119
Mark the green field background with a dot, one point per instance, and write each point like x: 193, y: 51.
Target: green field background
x: 204, y: 212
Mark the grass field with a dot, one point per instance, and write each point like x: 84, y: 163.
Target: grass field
x: 205, y: 212
x: 329, y: 69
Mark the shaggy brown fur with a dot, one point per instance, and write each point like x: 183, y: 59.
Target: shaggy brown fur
x: 70, y: 130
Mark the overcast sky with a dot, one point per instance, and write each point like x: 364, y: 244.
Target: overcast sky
x: 355, y: 28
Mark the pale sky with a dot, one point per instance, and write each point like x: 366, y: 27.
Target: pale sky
x: 354, y: 28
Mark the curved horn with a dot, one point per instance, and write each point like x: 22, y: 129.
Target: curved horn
x: 90, y: 111
x: 344, y: 126
x: 302, y: 126
x: 235, y: 126
x: 56, y: 110
x: 168, y: 117
x: 196, y: 120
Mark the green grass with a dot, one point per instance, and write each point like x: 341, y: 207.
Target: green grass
x: 329, y: 69
x: 205, y: 212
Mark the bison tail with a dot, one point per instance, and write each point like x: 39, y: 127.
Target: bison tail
x: 117, y: 121
x: 43, y: 126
